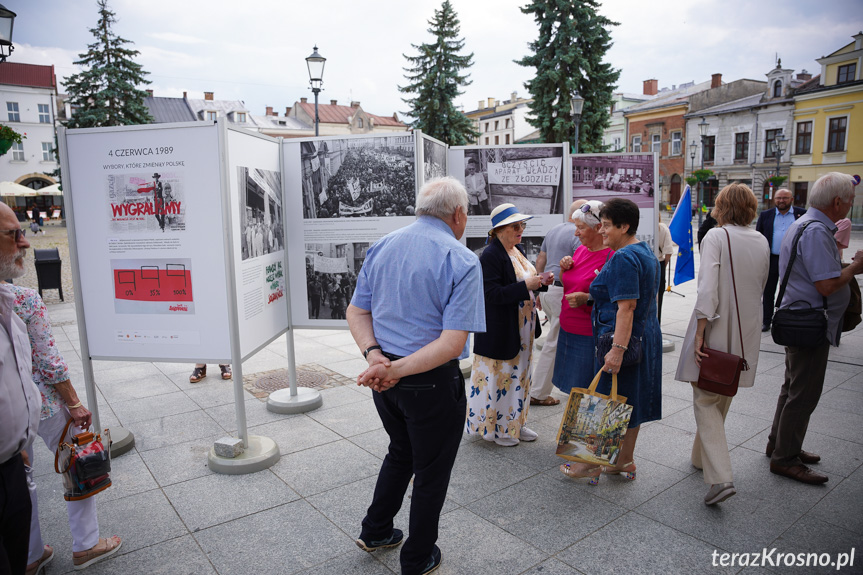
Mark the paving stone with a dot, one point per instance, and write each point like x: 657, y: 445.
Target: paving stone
x: 498, y: 472
x: 149, y: 408
x: 216, y: 498
x: 810, y: 535
x: 256, y: 413
x: 551, y: 567
x: 666, y: 445
x: 738, y: 427
x: 142, y: 520
x: 354, y: 562
x: 349, y: 420
x: 121, y: 389
x: 838, y: 457
x: 180, y: 555
x: 212, y: 392
x: 129, y: 476
x: 841, y: 507
x: 296, y: 433
x: 179, y: 462
x: 325, y: 467
x: 162, y: 431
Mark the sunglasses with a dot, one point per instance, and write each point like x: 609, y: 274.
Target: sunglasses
x: 19, y: 233
x: 518, y: 225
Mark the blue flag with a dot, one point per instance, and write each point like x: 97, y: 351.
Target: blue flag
x: 681, y: 234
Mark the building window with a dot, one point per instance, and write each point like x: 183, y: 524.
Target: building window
x: 359, y: 122
x: 656, y: 143
x: 769, y: 139
x: 616, y: 145
x: 44, y: 114
x: 18, y: 151
x: 741, y: 146
x: 507, y: 123
x: 47, y: 151
x: 507, y: 139
x: 636, y: 143
x: 676, y: 143
x: 486, y: 140
x: 496, y: 123
x: 836, y: 134
x: 709, y: 148
x: 211, y: 116
x: 804, y: 138
x: 486, y: 129
x: 801, y: 193
x: 846, y: 73
x: 497, y: 140
x: 12, y: 108
x: 777, y: 89
x: 241, y: 117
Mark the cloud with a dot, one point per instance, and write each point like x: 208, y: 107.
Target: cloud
x: 177, y: 38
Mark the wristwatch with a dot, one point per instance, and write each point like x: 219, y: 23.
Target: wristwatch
x: 589, y: 301
x: 369, y: 350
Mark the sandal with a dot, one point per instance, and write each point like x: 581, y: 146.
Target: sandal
x: 99, y: 552
x: 547, y: 401
x: 593, y: 473
x: 226, y: 371
x: 38, y: 566
x: 198, y: 374
x: 627, y: 469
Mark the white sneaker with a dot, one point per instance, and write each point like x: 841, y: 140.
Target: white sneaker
x: 528, y: 434
x: 506, y: 441
x: 719, y: 492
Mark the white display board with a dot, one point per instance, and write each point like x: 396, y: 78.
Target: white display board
x: 529, y: 176
x: 342, y: 193
x: 146, y: 203
x: 632, y: 176
x: 258, y: 221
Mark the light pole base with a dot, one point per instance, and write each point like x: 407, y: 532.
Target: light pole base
x: 262, y: 453
x: 667, y: 345
x: 281, y: 401
x: 122, y: 441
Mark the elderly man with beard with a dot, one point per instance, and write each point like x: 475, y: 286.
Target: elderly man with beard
x: 59, y: 404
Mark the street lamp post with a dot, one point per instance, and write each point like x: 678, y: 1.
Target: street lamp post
x: 576, y: 106
x: 702, y: 129
x: 7, y: 19
x: 693, y: 147
x: 779, y: 146
x: 316, y: 63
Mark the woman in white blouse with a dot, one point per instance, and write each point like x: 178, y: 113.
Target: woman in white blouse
x: 714, y: 324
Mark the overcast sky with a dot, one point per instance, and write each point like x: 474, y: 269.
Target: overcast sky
x: 255, y: 50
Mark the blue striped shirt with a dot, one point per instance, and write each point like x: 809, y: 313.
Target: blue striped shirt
x: 417, y: 282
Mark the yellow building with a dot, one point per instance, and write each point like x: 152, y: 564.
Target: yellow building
x: 828, y: 122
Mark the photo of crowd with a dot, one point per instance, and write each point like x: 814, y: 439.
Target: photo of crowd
x: 331, y: 277
x: 530, y: 177
x: 629, y: 176
x: 359, y: 177
x: 261, y: 215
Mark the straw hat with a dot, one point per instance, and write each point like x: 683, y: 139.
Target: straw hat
x: 506, y: 214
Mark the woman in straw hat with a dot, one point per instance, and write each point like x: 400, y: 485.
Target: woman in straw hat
x: 500, y: 377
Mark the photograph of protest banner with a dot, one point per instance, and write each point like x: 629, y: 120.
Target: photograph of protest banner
x: 261, y: 213
x: 359, y: 177
x: 531, y: 177
x: 331, y: 277
x: 434, y: 159
x: 605, y: 176
x: 146, y: 202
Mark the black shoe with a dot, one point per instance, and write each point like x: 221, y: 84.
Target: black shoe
x: 806, y: 457
x: 393, y: 540
x: 765, y: 327
x: 434, y: 561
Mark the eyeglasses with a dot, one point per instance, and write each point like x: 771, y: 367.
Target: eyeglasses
x: 519, y: 225
x: 19, y: 233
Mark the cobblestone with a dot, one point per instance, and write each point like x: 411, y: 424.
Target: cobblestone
x: 55, y: 236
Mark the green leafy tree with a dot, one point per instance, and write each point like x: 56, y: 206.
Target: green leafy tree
x: 435, y: 79
x: 105, y: 92
x: 567, y: 55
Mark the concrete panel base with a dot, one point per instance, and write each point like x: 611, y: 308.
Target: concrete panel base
x: 262, y: 453
x: 306, y: 399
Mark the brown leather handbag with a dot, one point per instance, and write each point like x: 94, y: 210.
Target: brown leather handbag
x: 720, y: 371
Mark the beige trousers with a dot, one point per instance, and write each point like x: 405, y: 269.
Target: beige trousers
x: 710, y: 448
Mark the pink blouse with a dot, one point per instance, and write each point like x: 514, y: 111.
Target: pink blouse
x: 585, y: 265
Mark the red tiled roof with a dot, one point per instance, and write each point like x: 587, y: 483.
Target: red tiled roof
x: 33, y: 75
x: 335, y: 114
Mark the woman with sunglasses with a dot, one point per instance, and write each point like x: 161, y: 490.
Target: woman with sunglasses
x: 500, y: 377
x: 573, y: 365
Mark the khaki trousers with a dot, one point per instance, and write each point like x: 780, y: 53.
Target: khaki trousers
x: 710, y: 449
x: 541, y: 387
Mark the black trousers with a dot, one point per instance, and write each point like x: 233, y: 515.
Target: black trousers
x: 424, y: 416
x: 662, y: 268
x: 805, y: 369
x: 767, y: 300
x: 14, y: 517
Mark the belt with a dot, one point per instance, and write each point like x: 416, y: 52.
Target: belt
x: 558, y: 283
x: 393, y: 357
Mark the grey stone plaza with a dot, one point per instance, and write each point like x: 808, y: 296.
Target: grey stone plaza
x: 509, y: 511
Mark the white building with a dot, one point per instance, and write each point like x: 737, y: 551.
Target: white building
x: 614, y: 137
x: 28, y: 106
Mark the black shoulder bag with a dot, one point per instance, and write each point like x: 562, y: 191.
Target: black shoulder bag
x: 804, y: 327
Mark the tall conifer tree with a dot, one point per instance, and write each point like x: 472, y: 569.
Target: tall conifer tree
x: 105, y: 93
x: 435, y: 79
x: 573, y: 39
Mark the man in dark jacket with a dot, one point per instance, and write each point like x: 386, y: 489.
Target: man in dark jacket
x: 773, y: 224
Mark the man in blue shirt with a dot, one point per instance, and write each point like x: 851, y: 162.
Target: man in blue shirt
x: 773, y: 224
x: 816, y: 274
x: 418, y: 295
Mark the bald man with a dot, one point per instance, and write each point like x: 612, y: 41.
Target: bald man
x: 773, y: 224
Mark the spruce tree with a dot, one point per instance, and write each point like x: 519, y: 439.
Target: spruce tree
x: 435, y: 79
x: 573, y: 39
x: 105, y: 93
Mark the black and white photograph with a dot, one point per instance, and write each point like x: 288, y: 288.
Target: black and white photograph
x: 261, y: 213
x: 531, y: 245
x: 531, y: 177
x: 434, y: 159
x: 359, y: 177
x: 331, y: 277
x: 607, y: 176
